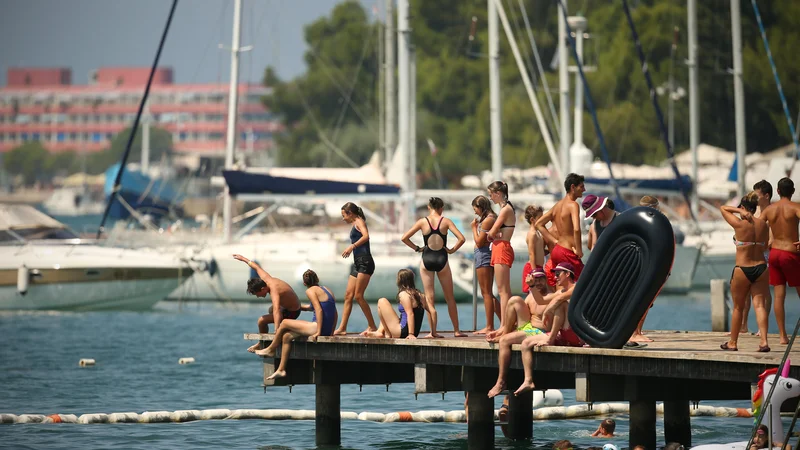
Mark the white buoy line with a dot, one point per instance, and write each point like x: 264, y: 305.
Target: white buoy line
x: 457, y: 416
x: 86, y: 362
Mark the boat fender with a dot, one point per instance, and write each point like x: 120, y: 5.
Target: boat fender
x: 547, y: 398
x: 625, y: 272
x: 213, y: 268
x: 23, y: 280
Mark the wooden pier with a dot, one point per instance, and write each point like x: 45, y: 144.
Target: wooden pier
x: 678, y: 368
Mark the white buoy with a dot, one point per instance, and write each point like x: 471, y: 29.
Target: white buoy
x: 23, y: 280
x: 86, y: 362
x: 188, y: 360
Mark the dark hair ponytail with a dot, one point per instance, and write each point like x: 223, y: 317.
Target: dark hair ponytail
x: 352, y: 208
x: 501, y: 187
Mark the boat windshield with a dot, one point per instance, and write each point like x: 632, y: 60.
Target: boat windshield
x: 38, y: 233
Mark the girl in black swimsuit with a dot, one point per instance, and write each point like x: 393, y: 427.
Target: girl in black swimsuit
x: 751, y: 237
x: 362, y: 270
x: 434, y: 259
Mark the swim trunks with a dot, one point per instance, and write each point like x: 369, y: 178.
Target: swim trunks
x: 290, y: 314
x: 561, y: 254
x: 502, y: 253
x: 529, y: 329
x: 568, y: 338
x: 548, y: 271
x: 784, y: 268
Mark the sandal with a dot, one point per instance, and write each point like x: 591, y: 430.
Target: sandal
x: 725, y: 346
x: 763, y: 349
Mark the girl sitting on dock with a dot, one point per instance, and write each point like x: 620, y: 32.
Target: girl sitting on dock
x: 434, y: 260
x: 325, y: 316
x: 411, y: 305
x: 483, y: 259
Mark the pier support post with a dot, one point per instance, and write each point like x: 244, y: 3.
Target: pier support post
x: 643, y: 423
x: 328, y: 415
x: 480, y: 421
x: 520, y: 416
x: 677, y: 422
x: 480, y: 427
x: 720, y: 315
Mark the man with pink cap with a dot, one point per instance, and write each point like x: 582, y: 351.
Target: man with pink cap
x: 524, y: 319
x: 560, y: 332
x: 597, y: 208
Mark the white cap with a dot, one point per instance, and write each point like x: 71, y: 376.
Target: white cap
x: 610, y: 447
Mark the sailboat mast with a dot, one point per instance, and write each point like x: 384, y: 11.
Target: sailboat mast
x: 233, y: 99
x: 494, y: 93
x: 694, y: 106
x: 389, y: 83
x: 563, y: 87
x: 738, y: 92
x: 403, y: 91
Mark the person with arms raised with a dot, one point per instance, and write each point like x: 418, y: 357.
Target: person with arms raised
x: 285, y: 304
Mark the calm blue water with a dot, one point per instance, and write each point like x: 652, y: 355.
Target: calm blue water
x: 137, y: 370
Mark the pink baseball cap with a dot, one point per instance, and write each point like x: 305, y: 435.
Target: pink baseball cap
x: 593, y: 203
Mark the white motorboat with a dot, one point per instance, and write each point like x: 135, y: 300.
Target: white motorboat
x: 73, y: 201
x: 46, y: 266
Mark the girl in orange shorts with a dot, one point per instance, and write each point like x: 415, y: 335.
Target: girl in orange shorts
x: 502, y: 252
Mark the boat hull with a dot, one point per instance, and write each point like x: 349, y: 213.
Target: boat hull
x: 119, y: 294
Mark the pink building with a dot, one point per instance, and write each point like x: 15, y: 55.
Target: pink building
x: 42, y: 104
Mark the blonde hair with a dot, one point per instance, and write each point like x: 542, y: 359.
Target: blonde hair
x: 649, y: 201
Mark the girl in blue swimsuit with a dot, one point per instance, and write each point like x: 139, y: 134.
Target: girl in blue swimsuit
x: 434, y: 259
x: 411, y: 306
x: 323, y: 304
x: 482, y: 207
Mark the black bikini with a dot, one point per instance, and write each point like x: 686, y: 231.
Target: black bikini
x: 434, y: 260
x: 752, y: 272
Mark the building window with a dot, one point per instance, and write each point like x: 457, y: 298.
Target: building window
x: 109, y: 118
x: 48, y: 137
x: 2, y: 137
x: 12, y: 137
x: 24, y: 137
x: 61, y: 137
x: 215, y: 136
x: 182, y: 136
x: 109, y: 136
x: 85, y: 137
x: 35, y: 136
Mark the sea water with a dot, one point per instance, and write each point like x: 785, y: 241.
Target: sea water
x: 137, y: 370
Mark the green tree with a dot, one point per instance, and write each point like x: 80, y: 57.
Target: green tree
x: 453, y: 87
x: 31, y: 160
x: 160, y: 145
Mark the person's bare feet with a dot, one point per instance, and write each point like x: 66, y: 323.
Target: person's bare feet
x: 340, y: 333
x: 277, y: 374
x: 496, y: 390
x: 433, y: 335
x: 525, y: 387
x: 494, y: 336
x: 784, y: 340
x: 374, y: 334
x: 640, y: 338
x: 459, y: 334
x: 265, y: 352
x: 254, y: 347
x: 484, y: 330
x: 367, y: 331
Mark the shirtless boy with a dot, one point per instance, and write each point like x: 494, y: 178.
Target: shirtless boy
x: 535, y: 244
x: 566, y: 216
x: 560, y: 332
x: 524, y: 319
x: 285, y: 304
x: 783, y: 218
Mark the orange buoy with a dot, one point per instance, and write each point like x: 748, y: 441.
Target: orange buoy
x: 405, y: 416
x: 743, y: 412
x: 55, y: 418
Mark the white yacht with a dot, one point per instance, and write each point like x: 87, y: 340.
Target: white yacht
x: 46, y: 266
x: 73, y: 201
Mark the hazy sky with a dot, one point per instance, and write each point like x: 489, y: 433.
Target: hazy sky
x: 87, y: 34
